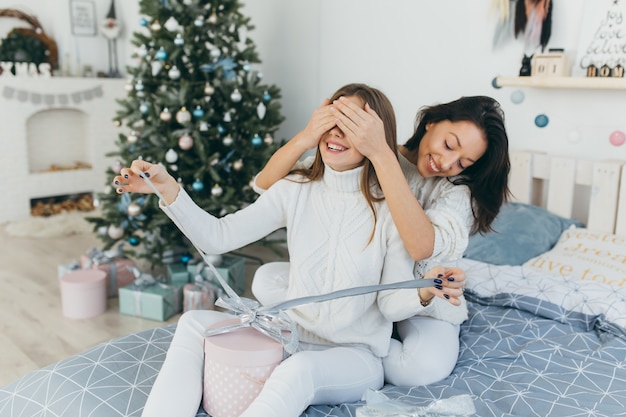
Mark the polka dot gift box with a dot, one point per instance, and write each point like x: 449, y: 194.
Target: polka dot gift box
x: 236, y: 365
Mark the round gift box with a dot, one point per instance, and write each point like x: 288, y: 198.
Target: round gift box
x: 236, y: 365
x: 84, y: 293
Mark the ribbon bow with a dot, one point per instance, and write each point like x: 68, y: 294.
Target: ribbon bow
x: 226, y: 64
x: 272, y: 322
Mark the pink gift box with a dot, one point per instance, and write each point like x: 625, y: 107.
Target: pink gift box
x: 83, y: 293
x: 200, y: 296
x: 119, y: 271
x: 236, y: 365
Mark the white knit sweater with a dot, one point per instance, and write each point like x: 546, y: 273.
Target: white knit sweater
x: 328, y: 228
x: 448, y: 207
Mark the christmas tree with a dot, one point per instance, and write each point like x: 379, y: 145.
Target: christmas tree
x: 197, y: 105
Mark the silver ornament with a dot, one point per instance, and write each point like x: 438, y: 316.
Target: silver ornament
x: 171, y: 156
x: 133, y: 209
x: 217, y: 190
x: 236, y: 96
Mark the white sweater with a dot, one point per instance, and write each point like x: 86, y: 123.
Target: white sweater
x: 448, y: 207
x: 328, y: 227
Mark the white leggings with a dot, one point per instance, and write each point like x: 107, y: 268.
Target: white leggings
x: 426, y: 352
x: 314, y: 375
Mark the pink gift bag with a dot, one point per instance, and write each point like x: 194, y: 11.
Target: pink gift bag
x: 236, y: 365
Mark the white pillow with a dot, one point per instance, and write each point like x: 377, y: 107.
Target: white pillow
x: 586, y: 255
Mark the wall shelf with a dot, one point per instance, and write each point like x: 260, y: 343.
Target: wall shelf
x: 598, y: 83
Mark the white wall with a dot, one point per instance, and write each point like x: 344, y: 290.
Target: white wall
x: 418, y: 52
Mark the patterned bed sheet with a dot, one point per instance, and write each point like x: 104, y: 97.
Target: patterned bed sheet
x: 520, y: 356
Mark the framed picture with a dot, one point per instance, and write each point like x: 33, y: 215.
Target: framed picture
x: 602, y: 41
x: 83, y: 18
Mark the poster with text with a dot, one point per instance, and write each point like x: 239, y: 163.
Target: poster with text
x: 602, y: 37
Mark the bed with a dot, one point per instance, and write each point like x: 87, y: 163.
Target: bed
x: 546, y: 334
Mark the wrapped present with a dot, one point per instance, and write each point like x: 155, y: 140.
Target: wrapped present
x: 236, y: 365
x: 199, y: 296
x: 65, y: 269
x: 83, y: 293
x: 177, y: 273
x: 114, y: 263
x: 232, y: 268
x: 148, y: 298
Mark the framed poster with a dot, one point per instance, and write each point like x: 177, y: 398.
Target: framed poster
x: 602, y: 39
x: 83, y: 18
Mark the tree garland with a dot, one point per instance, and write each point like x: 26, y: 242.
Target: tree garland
x: 28, y: 44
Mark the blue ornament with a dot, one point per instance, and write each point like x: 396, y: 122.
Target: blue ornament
x: 266, y: 96
x: 143, y: 22
x: 221, y: 129
x: 134, y: 241
x: 161, y: 54
x: 198, y: 112
x: 256, y: 140
x: 179, y: 41
x: 185, y: 259
x: 143, y: 108
x: 517, y: 96
x: 197, y: 185
x: 247, y: 67
x: 541, y: 120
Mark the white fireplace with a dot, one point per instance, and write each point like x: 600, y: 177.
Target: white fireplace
x: 55, y: 134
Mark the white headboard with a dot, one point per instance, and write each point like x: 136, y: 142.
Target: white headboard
x: 593, y: 192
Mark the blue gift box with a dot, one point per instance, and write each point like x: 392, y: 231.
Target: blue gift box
x: 232, y: 268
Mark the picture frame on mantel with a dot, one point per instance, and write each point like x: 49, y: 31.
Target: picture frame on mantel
x: 602, y: 41
x: 83, y: 18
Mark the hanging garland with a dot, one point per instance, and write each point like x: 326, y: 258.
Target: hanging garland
x: 28, y: 44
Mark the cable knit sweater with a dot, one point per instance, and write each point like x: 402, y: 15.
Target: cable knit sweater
x: 328, y: 228
x: 448, y: 207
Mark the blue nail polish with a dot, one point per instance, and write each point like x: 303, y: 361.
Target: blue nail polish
x: 450, y: 278
x: 447, y: 296
x: 438, y: 281
x: 440, y: 276
x: 119, y: 190
x: 117, y: 182
x: 147, y: 174
x: 439, y: 287
x: 126, y: 176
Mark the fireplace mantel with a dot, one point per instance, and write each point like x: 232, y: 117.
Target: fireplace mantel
x: 57, y: 118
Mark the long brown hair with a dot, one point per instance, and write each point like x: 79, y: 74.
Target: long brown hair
x: 378, y: 101
x: 487, y: 179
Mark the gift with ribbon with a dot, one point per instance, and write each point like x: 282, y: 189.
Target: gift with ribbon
x: 149, y: 298
x: 231, y: 268
x: 200, y: 295
x: 116, y: 265
x: 177, y: 273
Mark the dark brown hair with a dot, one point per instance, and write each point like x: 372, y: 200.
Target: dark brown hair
x: 487, y: 179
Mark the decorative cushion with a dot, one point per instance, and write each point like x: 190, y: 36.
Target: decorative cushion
x: 586, y: 255
x: 521, y: 231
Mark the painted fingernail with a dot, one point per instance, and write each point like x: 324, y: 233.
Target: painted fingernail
x: 450, y: 278
x: 447, y: 296
x: 438, y: 281
x: 439, y: 287
x: 117, y: 182
x: 440, y: 276
x: 119, y: 190
x: 126, y: 176
x: 147, y: 174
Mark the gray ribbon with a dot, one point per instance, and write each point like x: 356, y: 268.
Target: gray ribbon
x: 272, y: 320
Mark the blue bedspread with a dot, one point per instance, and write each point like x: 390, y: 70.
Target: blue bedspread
x: 520, y: 356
